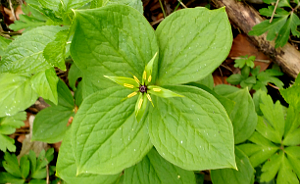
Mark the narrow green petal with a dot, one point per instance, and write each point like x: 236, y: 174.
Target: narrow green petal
x: 162, y: 92
x: 124, y: 81
x: 140, y: 107
x: 148, y: 69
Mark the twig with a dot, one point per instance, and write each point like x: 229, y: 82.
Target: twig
x: 11, y: 32
x: 273, y: 86
x: 226, y: 67
x: 221, y: 75
x: 162, y: 8
x: 258, y: 60
x: 12, y: 10
x: 182, y: 3
x: 47, y: 179
x: 295, y: 41
x: 274, y: 11
x: 156, y: 22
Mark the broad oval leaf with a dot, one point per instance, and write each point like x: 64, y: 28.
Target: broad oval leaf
x: 245, y: 173
x: 114, y: 40
x: 154, y: 169
x: 106, y: 136
x: 66, y: 166
x: 50, y: 124
x: 45, y: 84
x: 243, y: 115
x: 193, y: 132
x: 189, y: 40
x: 25, y: 53
x: 16, y: 94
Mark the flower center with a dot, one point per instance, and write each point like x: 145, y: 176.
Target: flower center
x: 143, y: 89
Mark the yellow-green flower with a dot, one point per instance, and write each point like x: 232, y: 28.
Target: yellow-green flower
x: 143, y: 89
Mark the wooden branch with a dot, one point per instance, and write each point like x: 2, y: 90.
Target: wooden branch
x: 245, y: 17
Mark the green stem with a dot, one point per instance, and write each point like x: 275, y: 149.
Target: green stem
x: 177, y: 7
x: 162, y: 8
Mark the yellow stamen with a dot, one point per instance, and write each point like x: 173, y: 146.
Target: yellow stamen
x: 128, y: 85
x: 136, y: 79
x: 156, y: 89
x: 149, y: 98
x: 149, y: 79
x: 140, y: 104
x: 132, y: 94
x: 144, y: 75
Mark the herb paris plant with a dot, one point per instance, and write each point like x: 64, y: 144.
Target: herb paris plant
x: 193, y: 132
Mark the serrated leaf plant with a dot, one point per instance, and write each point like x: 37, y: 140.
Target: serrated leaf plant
x: 283, y: 23
x: 252, y: 78
x: 123, y: 60
x: 274, y: 146
x: 27, y: 63
x: 8, y: 125
x: 29, y: 169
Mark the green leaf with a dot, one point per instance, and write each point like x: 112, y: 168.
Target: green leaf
x: 3, y: 44
x: 7, y: 143
x: 189, y: 40
x: 51, y: 5
x: 50, y: 124
x: 266, y: 130
x: 8, y: 178
x: 228, y: 104
x: 16, y: 94
x: 207, y: 81
x: 243, y: 115
x: 128, y: 44
x: 154, y: 169
x: 66, y: 166
x: 15, y: 121
x: 271, y: 167
x: 235, y: 79
x: 106, y: 126
x: 245, y: 173
x: 65, y: 97
x: 78, y: 94
x: 44, y: 84
x: 260, y: 151
x: 286, y: 173
x: 73, y: 75
x: 292, y: 95
x: 98, y: 3
x: 267, y: 77
x: 32, y: 159
x: 20, y: 59
x: 67, y: 5
x: 11, y: 164
x: 6, y: 130
x: 294, y: 158
x: 26, y: 22
x: 272, y: 28
x: 136, y: 4
x: 273, y: 115
x: 223, y: 89
x: 292, y: 127
x: 24, y: 166
x: 284, y: 33
x: 191, y: 130
x: 278, y: 163
x: 54, y: 52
